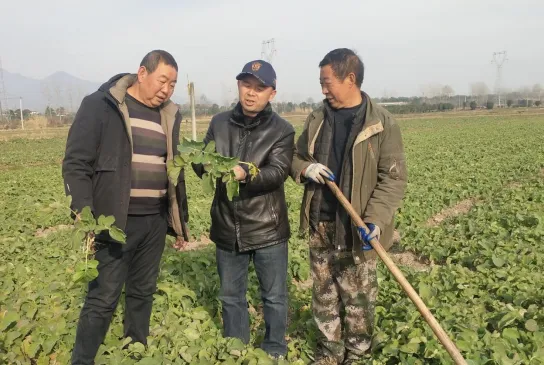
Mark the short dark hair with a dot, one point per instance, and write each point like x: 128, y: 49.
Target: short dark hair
x: 343, y: 62
x: 152, y: 60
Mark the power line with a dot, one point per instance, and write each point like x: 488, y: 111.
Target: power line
x: 268, y: 50
x: 499, y: 58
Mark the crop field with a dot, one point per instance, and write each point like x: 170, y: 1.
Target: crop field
x: 472, y: 245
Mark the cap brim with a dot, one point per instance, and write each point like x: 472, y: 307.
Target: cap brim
x: 241, y: 75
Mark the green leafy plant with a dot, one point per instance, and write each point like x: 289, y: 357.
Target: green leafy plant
x: 216, y: 165
x: 86, y: 228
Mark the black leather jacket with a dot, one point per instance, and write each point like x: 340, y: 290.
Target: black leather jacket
x: 258, y: 217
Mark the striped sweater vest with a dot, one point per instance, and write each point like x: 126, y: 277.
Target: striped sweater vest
x: 149, y: 178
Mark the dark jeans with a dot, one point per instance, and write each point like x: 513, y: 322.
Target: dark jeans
x: 135, y: 264
x: 271, y: 267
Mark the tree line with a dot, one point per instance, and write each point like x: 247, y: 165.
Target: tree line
x: 435, y: 98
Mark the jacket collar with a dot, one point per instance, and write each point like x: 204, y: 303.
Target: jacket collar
x: 371, y: 115
x: 119, y: 91
x: 328, y: 110
x: 373, y: 121
x: 239, y: 119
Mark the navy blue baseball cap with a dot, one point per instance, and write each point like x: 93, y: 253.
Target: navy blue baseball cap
x: 262, y: 70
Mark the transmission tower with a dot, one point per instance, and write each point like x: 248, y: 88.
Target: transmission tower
x: 499, y: 58
x: 3, y: 96
x: 268, y: 51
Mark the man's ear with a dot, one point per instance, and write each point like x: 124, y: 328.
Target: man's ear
x: 142, y: 73
x: 351, y: 79
x: 272, y: 95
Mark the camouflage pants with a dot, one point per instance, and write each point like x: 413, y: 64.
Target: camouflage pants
x: 339, y: 284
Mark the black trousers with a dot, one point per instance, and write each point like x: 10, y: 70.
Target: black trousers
x: 135, y: 265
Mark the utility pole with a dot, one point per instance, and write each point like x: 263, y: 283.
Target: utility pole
x: 191, y: 89
x: 499, y: 58
x: 268, y: 51
x: 21, y: 110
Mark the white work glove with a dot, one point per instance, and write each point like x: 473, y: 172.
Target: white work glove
x: 316, y: 172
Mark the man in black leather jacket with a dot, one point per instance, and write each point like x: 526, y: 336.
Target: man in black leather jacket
x: 254, y: 225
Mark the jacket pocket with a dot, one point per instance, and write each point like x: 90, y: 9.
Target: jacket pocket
x: 106, y: 164
x: 104, y: 180
x: 105, y: 169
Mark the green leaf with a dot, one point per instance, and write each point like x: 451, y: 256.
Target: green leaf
x: 92, y: 264
x: 198, y: 158
x: 9, y: 319
x: 173, y: 174
x: 137, y: 347
x: 186, y: 356
x: 463, y: 345
x: 117, y: 234
x: 425, y: 292
x: 208, y: 183
x: 531, y: 325
x: 84, y: 273
x: 200, y: 314
x: 67, y: 201
x: 86, y: 216
x: 511, y: 334
x: 126, y: 341
x: 78, y: 238
x: 12, y: 336
x: 91, y: 274
x: 48, y: 345
x: 191, y: 334
x: 78, y: 276
x: 304, y: 272
x: 409, y: 348
x: 184, y: 292
x: 187, y: 146
x: 508, y: 319
x: 149, y: 361
x: 210, y: 147
x: 32, y: 349
x: 236, y: 344
x: 106, y: 221
x: 232, y: 189
x: 499, y: 262
x: 178, y: 161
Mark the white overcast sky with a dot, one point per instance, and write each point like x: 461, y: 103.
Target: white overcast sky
x: 404, y: 44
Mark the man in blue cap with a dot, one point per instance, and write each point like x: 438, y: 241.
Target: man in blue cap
x: 254, y: 225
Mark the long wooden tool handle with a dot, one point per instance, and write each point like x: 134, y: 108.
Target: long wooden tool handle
x: 422, y: 308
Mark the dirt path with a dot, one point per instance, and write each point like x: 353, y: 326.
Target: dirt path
x: 44, y: 232
x: 463, y: 207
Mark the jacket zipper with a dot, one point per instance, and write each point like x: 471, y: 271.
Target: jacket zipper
x: 118, y: 109
x: 241, y: 155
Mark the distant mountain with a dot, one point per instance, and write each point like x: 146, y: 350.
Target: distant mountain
x: 58, y: 89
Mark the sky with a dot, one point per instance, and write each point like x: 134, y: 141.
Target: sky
x: 404, y: 45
